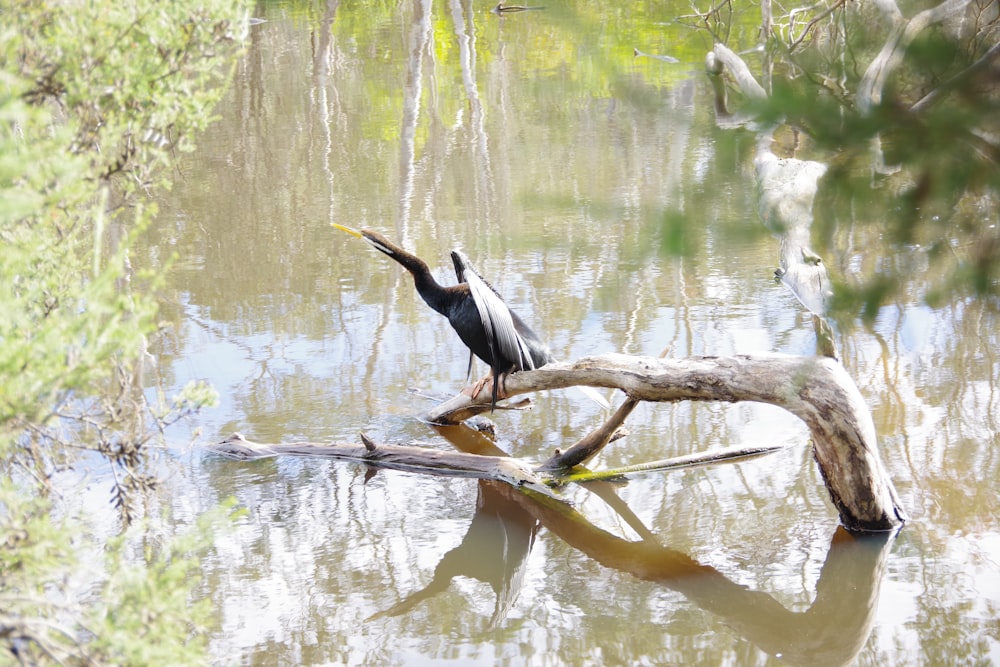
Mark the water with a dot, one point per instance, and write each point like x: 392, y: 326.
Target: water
x: 571, y: 173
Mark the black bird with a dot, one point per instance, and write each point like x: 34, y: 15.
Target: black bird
x: 476, y: 312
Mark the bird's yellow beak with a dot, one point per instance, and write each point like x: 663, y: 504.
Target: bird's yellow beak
x: 349, y: 230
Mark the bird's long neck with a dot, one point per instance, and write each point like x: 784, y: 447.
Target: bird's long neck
x: 432, y: 292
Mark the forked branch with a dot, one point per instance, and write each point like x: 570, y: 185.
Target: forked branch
x: 816, y: 389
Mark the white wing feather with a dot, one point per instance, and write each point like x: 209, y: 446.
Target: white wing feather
x: 497, y: 321
x: 499, y: 325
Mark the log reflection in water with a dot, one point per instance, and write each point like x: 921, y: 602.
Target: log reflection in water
x: 832, y: 631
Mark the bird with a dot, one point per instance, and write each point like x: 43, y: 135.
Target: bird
x: 477, y: 313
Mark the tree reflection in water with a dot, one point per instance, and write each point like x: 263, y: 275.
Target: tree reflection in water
x: 832, y: 631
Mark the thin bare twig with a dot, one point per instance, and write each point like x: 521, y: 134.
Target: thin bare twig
x: 954, y: 82
x: 809, y: 26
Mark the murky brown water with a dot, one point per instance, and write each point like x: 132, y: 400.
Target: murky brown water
x: 569, y: 171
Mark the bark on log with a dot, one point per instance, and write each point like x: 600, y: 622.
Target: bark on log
x: 816, y: 389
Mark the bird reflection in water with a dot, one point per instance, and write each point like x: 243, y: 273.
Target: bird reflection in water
x: 494, y: 551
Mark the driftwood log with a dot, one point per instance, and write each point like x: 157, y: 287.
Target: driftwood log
x: 816, y: 389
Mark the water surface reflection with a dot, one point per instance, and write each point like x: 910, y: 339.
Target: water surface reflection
x: 614, y: 215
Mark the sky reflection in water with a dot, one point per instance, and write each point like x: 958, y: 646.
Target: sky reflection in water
x: 559, y: 171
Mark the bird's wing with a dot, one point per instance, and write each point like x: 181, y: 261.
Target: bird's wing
x: 457, y: 260
x: 501, y: 334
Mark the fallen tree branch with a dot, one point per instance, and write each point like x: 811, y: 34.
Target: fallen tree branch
x: 592, y: 443
x: 412, y: 458
x: 725, y: 455
x: 396, y: 457
x: 816, y: 389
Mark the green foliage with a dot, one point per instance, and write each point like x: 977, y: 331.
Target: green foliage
x: 140, y: 611
x: 142, y: 602
x: 95, y: 98
x: 75, y: 318
x: 134, y: 79
x: 32, y: 542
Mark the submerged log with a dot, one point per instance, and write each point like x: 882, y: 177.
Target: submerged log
x: 818, y: 390
x: 495, y: 465
x: 408, y: 458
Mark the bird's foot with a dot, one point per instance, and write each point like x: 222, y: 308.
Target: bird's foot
x: 484, y: 383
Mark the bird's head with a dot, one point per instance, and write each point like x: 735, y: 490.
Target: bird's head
x: 378, y: 241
